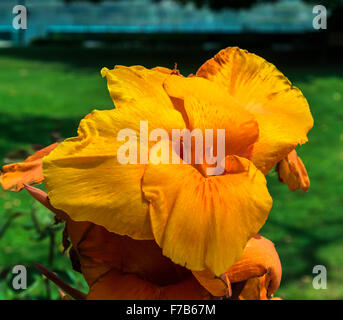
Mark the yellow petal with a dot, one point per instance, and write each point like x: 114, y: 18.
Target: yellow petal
x: 204, y: 223
x: 141, y: 91
x: 292, y: 171
x: 15, y: 175
x: 85, y: 179
x: 137, y: 87
x: 281, y: 110
x: 83, y: 175
x: 208, y: 106
x: 167, y: 70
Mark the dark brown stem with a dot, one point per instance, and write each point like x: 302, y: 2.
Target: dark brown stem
x: 76, y: 294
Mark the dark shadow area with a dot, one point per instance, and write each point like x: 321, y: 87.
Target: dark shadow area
x: 31, y: 130
x: 188, y: 52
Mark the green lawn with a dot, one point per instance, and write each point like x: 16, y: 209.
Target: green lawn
x: 46, y: 90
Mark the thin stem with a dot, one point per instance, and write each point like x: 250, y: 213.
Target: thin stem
x: 74, y: 293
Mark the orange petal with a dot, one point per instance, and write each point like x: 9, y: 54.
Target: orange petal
x: 213, y: 284
x: 118, y: 267
x: 282, y: 112
x: 116, y: 285
x: 292, y: 172
x: 28, y: 172
x: 256, y: 289
x: 250, y: 290
x: 141, y: 257
x: 259, y: 258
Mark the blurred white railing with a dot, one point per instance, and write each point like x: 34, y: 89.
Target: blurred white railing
x: 145, y: 16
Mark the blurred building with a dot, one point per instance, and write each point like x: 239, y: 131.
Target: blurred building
x: 46, y: 17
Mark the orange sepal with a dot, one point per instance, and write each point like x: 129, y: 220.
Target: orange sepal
x: 292, y: 172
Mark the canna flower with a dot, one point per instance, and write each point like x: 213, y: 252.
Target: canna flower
x: 193, y: 221
x: 200, y: 222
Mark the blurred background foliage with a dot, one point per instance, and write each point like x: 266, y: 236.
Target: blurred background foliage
x: 47, y: 86
x: 220, y: 4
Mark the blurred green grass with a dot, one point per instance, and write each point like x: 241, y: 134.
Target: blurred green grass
x: 49, y: 90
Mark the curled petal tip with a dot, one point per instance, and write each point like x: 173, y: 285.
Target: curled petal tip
x: 104, y: 72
